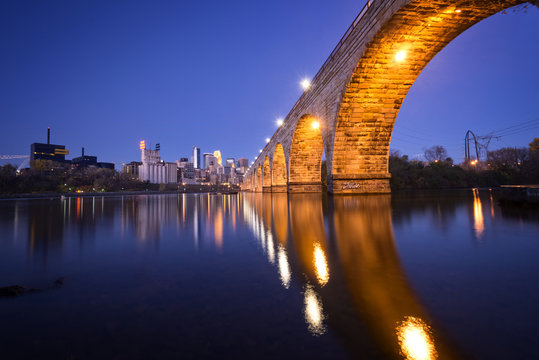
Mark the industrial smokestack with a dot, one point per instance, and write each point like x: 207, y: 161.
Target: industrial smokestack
x: 82, y: 152
x: 48, y: 136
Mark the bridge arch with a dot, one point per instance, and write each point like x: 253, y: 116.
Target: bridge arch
x: 388, y: 67
x: 258, y: 181
x: 278, y: 172
x: 305, y: 158
x: 266, y: 176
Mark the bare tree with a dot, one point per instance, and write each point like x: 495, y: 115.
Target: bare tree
x: 507, y: 157
x: 436, y: 153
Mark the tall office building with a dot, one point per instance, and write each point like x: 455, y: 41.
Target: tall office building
x: 217, y: 154
x: 206, y: 157
x: 230, y: 162
x: 196, y: 157
x: 243, y: 162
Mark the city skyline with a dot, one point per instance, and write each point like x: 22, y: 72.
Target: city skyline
x: 103, y: 82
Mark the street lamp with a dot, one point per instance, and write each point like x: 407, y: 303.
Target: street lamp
x: 305, y: 84
x: 400, y: 56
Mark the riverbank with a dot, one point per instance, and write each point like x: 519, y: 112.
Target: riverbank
x: 188, y: 189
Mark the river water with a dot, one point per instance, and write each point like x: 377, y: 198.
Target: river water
x: 260, y: 276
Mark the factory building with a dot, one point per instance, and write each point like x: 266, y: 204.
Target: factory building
x: 154, y: 169
x: 48, y: 151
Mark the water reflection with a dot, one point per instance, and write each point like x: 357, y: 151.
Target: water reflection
x: 309, y: 235
x: 284, y: 267
x: 335, y: 258
x: 365, y: 255
x: 314, y: 314
x: 415, y: 340
x: 373, y: 272
x: 321, y: 265
x: 479, y: 225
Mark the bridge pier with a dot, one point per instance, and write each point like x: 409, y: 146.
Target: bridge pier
x: 360, y: 184
x: 305, y: 187
x: 279, y: 189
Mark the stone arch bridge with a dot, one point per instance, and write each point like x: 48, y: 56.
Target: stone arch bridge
x: 353, y: 101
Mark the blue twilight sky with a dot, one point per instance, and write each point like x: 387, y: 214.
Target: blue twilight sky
x: 216, y: 74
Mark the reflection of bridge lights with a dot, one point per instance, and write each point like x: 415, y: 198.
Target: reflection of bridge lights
x: 400, y: 56
x: 315, y: 125
x: 415, y: 340
x: 305, y: 84
x: 458, y: 11
x: 271, y: 250
x: 279, y: 122
x: 314, y: 312
x: 321, y: 265
x: 479, y: 224
x: 268, y: 140
x: 284, y: 267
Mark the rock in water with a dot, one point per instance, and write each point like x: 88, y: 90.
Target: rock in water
x: 11, y: 291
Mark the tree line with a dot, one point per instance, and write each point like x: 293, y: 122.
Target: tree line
x: 502, y: 167
x: 505, y: 166
x: 49, y: 176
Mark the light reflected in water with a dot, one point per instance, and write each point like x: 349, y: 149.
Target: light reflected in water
x: 479, y: 224
x: 218, y: 229
x: 284, y: 266
x: 321, y: 265
x: 314, y: 315
x: 492, y: 214
x: 271, y: 249
x: 415, y: 340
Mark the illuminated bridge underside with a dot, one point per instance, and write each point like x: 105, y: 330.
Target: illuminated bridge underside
x: 356, y: 96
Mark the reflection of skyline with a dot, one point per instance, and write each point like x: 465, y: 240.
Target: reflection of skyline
x: 146, y: 219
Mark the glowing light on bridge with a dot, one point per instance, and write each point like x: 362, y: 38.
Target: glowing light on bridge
x: 415, y: 340
x: 400, y: 56
x: 305, y: 84
x: 260, y: 150
x: 268, y: 140
x: 315, y: 125
x: 279, y: 122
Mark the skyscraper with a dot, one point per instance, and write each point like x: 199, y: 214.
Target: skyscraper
x: 217, y: 154
x: 206, y: 159
x: 243, y: 162
x: 196, y: 157
x: 230, y: 162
